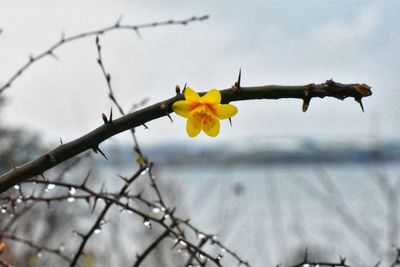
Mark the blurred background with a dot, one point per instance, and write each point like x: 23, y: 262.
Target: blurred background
x: 279, y: 180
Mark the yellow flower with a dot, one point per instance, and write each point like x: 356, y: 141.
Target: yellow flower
x: 203, y: 113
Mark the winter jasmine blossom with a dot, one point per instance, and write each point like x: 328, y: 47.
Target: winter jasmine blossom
x: 203, y: 113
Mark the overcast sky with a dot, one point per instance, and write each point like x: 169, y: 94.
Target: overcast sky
x: 274, y: 42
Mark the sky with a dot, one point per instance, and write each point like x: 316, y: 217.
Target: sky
x: 273, y: 42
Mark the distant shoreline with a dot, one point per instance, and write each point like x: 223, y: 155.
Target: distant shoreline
x: 174, y: 154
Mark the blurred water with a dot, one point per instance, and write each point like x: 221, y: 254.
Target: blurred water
x: 270, y: 214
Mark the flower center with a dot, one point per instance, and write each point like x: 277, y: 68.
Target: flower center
x: 203, y: 114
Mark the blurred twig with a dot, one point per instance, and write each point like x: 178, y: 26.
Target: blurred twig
x: 116, y: 26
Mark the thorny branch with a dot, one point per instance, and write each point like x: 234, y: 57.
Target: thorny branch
x: 110, y: 128
x: 140, y: 258
x: 165, y: 217
x: 116, y: 26
x: 38, y: 248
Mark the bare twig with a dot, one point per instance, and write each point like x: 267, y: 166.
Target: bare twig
x: 140, y: 258
x: 38, y: 248
x: 116, y: 26
x: 100, y: 218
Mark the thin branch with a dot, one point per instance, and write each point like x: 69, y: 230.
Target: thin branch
x: 150, y: 248
x: 100, y: 218
x: 161, y: 109
x: 107, y: 76
x: 39, y: 248
x: 116, y: 26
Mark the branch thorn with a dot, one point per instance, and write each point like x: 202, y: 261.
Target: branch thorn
x: 184, y: 89
x: 239, y: 78
x: 117, y: 24
x: 97, y: 149
x: 111, y: 114
x: 51, y: 53
x: 236, y: 86
x: 44, y: 178
x: 358, y: 100
x: 306, y: 103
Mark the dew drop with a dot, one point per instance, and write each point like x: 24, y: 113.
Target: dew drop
x: 19, y: 199
x: 201, y: 235
x: 97, y: 231
x: 183, y: 243
x: 39, y: 254
x: 50, y: 186
x: 72, y: 191
x: 123, y: 210
x: 61, y: 248
x: 202, y: 257
x: 3, y: 210
x: 146, y: 170
x: 156, y: 209
x: 147, y: 223
x: 16, y: 187
x: 71, y: 199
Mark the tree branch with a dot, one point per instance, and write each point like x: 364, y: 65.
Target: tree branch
x: 64, y: 40
x: 110, y: 128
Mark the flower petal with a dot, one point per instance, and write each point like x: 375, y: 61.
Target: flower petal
x: 212, y: 97
x: 182, y: 108
x: 190, y: 94
x: 193, y: 126
x: 226, y: 111
x: 211, y: 126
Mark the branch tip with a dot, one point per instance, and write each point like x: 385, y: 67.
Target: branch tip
x: 177, y: 89
x: 104, y: 117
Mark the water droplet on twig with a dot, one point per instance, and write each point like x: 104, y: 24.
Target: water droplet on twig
x: 201, y: 235
x: 72, y: 191
x: 147, y: 223
x: 156, y: 209
x: 50, y: 187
